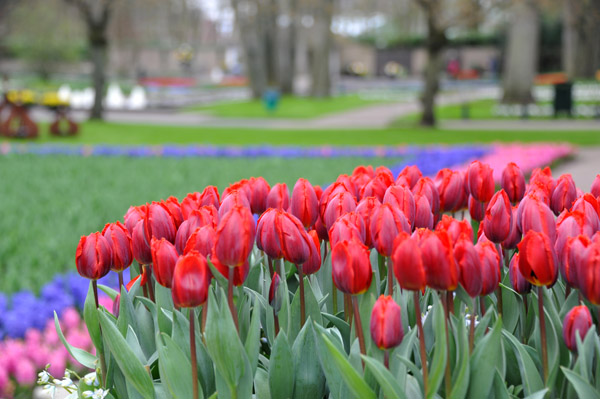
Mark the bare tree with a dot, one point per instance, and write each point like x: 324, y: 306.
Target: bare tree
x: 581, y: 32
x: 96, y: 15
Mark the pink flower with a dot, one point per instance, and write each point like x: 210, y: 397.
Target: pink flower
x: 25, y: 372
x: 71, y: 319
x: 58, y: 363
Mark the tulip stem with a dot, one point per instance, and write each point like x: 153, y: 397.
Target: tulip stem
x: 390, y: 276
x: 386, y: 359
x: 193, y: 352
x: 95, y: 289
x: 472, y: 326
x: 543, y: 333
x: 120, y: 280
x: 276, y: 320
x: 334, y: 292
x: 482, y: 306
x: 230, y: 299
x: 302, y: 303
x: 450, y: 299
x: 204, y: 315
x: 100, y: 350
x: 499, y: 289
x: 358, y: 327
x: 270, y: 263
x: 148, y: 270
x: 448, y: 377
x: 421, y: 340
x: 348, y: 308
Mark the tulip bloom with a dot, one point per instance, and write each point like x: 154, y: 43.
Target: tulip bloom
x: 537, y: 260
x: 267, y: 239
x: 205, y: 216
x: 159, y: 223
x: 351, y: 267
x: 348, y: 183
x: 455, y: 228
x: 366, y: 208
x: 376, y: 187
x: 260, y: 189
x: 191, y: 280
x: 93, y: 256
x: 386, y: 323
x: 242, y: 186
x: 573, y: 258
x: 490, y: 266
x: 305, y: 205
x: 436, y: 249
x: 313, y: 264
x: 577, y: 321
x: 361, y: 176
x: 543, y: 178
x: 233, y: 199
x: 513, y: 182
x: 450, y: 185
x: 133, y: 216
x: 537, y: 216
x: 239, y: 273
x: 476, y: 209
x: 588, y: 272
x: 589, y: 206
x: 331, y: 191
x: 410, y: 174
x: 480, y: 179
x: 595, y: 189
x: 563, y: 195
x: 514, y: 237
x: 275, y: 299
x: 174, y: 207
x: 294, y: 240
x: 497, y: 222
x: 210, y: 196
x: 140, y: 245
x: 201, y: 240
x: 423, y: 213
x: 120, y: 242
x: 407, y: 261
x: 469, y: 266
x: 164, y: 258
x: 570, y: 224
x: 427, y: 188
x: 386, y: 223
x: 517, y: 280
x: 279, y: 197
x: 338, y: 205
x: 347, y: 227
x: 402, y: 198
x: 235, y: 236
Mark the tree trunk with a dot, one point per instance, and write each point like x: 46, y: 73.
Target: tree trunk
x: 435, y: 44
x: 521, y: 58
x: 286, y: 47
x: 98, y: 50
x: 581, y: 29
x: 321, y: 79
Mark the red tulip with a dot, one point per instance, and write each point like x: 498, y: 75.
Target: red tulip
x: 539, y: 191
x: 242, y: 186
x: 93, y: 256
x: 570, y: 224
x: 305, y: 205
x: 318, y: 191
x: 497, y: 222
x: 366, y: 208
x: 537, y: 260
x: 194, y: 201
x: 191, y: 280
x: 536, y: 216
x: 378, y: 185
x: 294, y: 240
x: 401, y: 198
x: 410, y: 174
x: 321, y: 230
x: 469, y: 266
x: 235, y: 236
x: 279, y: 197
x: 233, y: 199
x: 517, y: 280
x: 588, y: 272
x: 577, y: 321
x: 387, y: 221
x: 164, y: 258
x: 450, y: 185
x: 260, y: 190
x: 438, y: 258
x: 275, y: 299
x: 544, y: 178
x: 201, y: 240
x: 210, y: 196
x: 134, y: 214
x: 573, y: 258
x: 563, y: 195
x: 140, y: 245
x: 588, y: 205
x: 490, y: 266
x: 351, y: 267
x: 423, y: 213
x: 386, y: 323
x: 408, y: 264
x: 361, y: 176
x: 338, y: 205
x: 331, y: 191
x: 480, y: 178
x: 595, y: 189
x: 159, y: 223
x: 205, y: 216
x: 346, y: 227
x: 514, y: 237
x: 175, y: 208
x: 120, y: 243
x: 239, y: 273
x: 313, y: 264
x: 348, y: 183
x: 267, y: 238
x: 455, y: 228
x: 513, y: 182
x: 426, y: 187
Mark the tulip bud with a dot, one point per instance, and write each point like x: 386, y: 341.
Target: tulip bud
x: 537, y: 260
x: 480, y: 178
x: 321, y: 230
x: 376, y: 187
x: 201, y: 240
x: 577, y: 322
x: 338, y: 205
x: 305, y: 205
x: 588, y: 205
x: 93, y: 256
x: 347, y: 227
x: 174, y: 207
x: 537, y: 216
x: 436, y: 249
x: 410, y: 174
x: 233, y: 199
x: 294, y: 241
x: 313, y: 264
x: 120, y: 242
x: 408, y: 264
x: 450, y: 185
x: 402, y: 198
x: 573, y: 258
x: 563, y: 195
x: 348, y: 183
x: 189, y: 203
x: 267, y: 239
x: 205, y: 216
x: 239, y: 273
x: 595, y: 189
x: 469, y: 266
x: 210, y: 196
x: 426, y: 187
x: 242, y: 186
x: 191, y: 280
x: 514, y: 237
x: 570, y: 224
x: 543, y: 178
x: 513, y: 182
x: 497, y: 222
x: 235, y: 236
x: 134, y: 214
x: 588, y: 272
x: 260, y: 190
x: 476, y: 209
x: 331, y: 191
x: 351, y: 267
x: 386, y: 323
x: 423, y: 213
x: 455, y: 228
x: 361, y: 176
x: 490, y: 266
x: 275, y: 299
x: 386, y: 223
x: 517, y: 280
x: 164, y: 258
x: 140, y: 245
x: 279, y: 197
x: 366, y: 208
x: 159, y: 223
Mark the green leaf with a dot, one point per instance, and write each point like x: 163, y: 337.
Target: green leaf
x: 342, y: 326
x: 281, y: 368
x: 484, y: 361
x: 387, y: 382
x: 261, y: 384
x: 252, y: 344
x: 460, y: 377
x: 312, y: 310
x: 438, y: 363
x: 175, y: 368
x: 335, y: 383
x: 132, y: 368
x: 90, y: 316
x: 109, y: 291
x: 530, y: 375
x: 582, y: 387
x: 309, y: 381
x: 539, y: 394
x: 164, y: 300
x: 499, y: 387
x: 85, y: 358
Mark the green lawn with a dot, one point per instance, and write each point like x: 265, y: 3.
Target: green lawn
x: 289, y: 107
x: 406, y: 133
x: 48, y: 202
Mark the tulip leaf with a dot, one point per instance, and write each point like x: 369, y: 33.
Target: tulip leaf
x: 85, y: 358
x: 90, y: 316
x: 252, y: 344
x: 530, y: 376
x: 388, y: 383
x: 539, y: 394
x: 460, y: 377
x: 109, y: 291
x: 222, y: 280
x: 164, y: 301
x: 281, y: 368
x: 261, y: 384
x: 486, y: 357
x: 499, y: 387
x: 438, y: 363
x: 312, y: 310
x: 335, y: 383
x: 342, y: 326
x: 309, y: 381
x: 132, y: 368
x: 175, y: 368
x: 583, y: 388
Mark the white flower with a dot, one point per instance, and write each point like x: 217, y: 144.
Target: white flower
x: 97, y: 394
x: 44, y: 377
x: 50, y: 390
x: 73, y: 395
x: 65, y: 382
x: 91, y: 379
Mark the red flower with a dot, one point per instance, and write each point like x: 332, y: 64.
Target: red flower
x: 386, y: 223
x: 570, y: 224
x: 348, y: 183
x: 191, y: 280
x: 361, y: 176
x: 490, y: 266
x: 536, y: 216
x: 438, y: 259
x: 469, y: 266
x: 313, y: 264
x: 159, y: 223
x: 409, y: 175
x: 537, y: 260
x: 423, y: 213
x: 514, y: 237
x: 120, y: 243
x: 407, y: 261
x: 377, y: 186
x: 426, y: 187
x: 279, y: 197
x: 573, y: 258
x: 267, y: 237
x: 455, y: 228
x: 480, y: 178
x: 450, y: 185
x: 133, y: 216
x: 210, y: 196
x: 140, y: 245
x: 242, y: 186
x: 513, y: 182
x: 194, y: 201
x: 205, y: 216
x: 351, y: 267
x: 201, y: 240
x: 93, y: 256
x: 366, y: 208
x: 563, y: 195
x: 476, y: 209
x: 260, y: 190
x: 346, y: 227
x: 386, y: 323
x: 401, y: 198
x: 305, y: 205
x: 595, y: 189
x: 577, y: 321
x: 497, y: 222
x: 233, y: 199
x: 174, y: 207
x: 275, y: 299
x: 588, y: 205
x: 543, y: 178
x: 164, y: 258
x: 331, y: 191
x: 235, y: 236
x: 239, y: 273
x: 294, y: 241
x: 338, y: 205
x: 321, y: 230
x: 588, y: 274
x: 517, y: 280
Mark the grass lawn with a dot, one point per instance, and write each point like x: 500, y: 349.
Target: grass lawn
x: 405, y: 133
x: 48, y: 202
x: 289, y: 107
